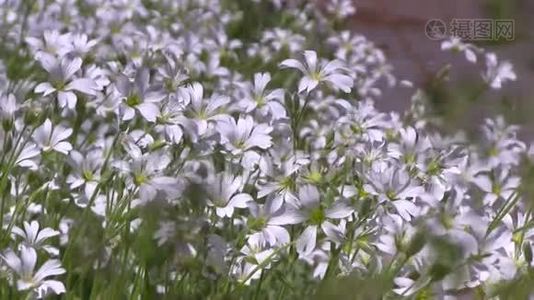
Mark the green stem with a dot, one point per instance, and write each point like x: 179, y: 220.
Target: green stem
x: 258, y: 287
x: 7, y: 169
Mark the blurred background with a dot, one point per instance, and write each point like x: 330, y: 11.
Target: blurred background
x: 398, y: 28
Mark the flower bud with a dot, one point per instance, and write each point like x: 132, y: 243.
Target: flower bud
x: 7, y: 124
x: 527, y: 251
x: 33, y: 117
x: 417, y: 242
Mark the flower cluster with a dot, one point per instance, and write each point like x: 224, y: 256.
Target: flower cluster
x: 194, y: 148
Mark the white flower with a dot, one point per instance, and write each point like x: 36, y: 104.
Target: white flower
x: 25, y: 157
x: 263, y: 101
x: 48, y: 138
x: 172, y: 72
x: 257, y: 250
x: 23, y: 266
x: 171, y: 120
x: 244, y: 271
x: 394, y: 185
x: 347, y: 43
x: 410, y: 145
x: 137, y: 95
x: 319, y: 259
x: 53, y: 42
x: 146, y: 172
x: 496, y: 261
x: 341, y: 8
x: 8, y: 106
x: 223, y: 194
x: 202, y: 111
x: 501, y: 187
x: 310, y: 209
x: 395, y: 236
x: 213, y: 67
x: 244, y: 134
x: 504, y: 146
x: 81, y: 45
x: 276, y: 174
x: 315, y: 72
x: 278, y: 38
x: 33, y: 237
x: 362, y: 122
x: 60, y: 80
x: 85, y: 170
x: 455, y: 43
x: 266, y: 219
x: 497, y: 72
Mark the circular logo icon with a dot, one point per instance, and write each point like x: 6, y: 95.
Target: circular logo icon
x: 435, y: 29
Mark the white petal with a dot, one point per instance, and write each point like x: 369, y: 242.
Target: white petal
x: 42, y: 134
x: 128, y: 113
x: 48, y: 61
x: 45, y: 234
x: 216, y: 103
x: 56, y: 286
x: 70, y: 67
x: 309, y: 196
x: 29, y: 259
x: 343, y: 82
x: 262, y: 141
x: 147, y: 192
x: 244, y: 126
x: 142, y: 78
x: 405, y: 208
x: 84, y: 85
x: 63, y: 147
x: 60, y: 133
x: 308, y: 84
x: 224, y: 212
x: 307, y: 240
x: 67, y: 99
x: 339, y: 210
x: 281, y: 234
x: 332, y: 232
x: 484, y: 183
x: 286, y: 217
x: 250, y: 159
x: 45, y: 87
x: 332, y: 66
x: 12, y: 260
x: 278, y: 111
x: 293, y: 63
x: 154, y: 96
x: 272, y: 205
x: 470, y: 55
x: 311, y: 60
x: 49, y: 268
x: 18, y: 231
x: 149, y: 111
x: 240, y: 200
x: 123, y: 84
x: 260, y: 81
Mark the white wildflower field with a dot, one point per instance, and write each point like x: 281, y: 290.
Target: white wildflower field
x: 231, y: 149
